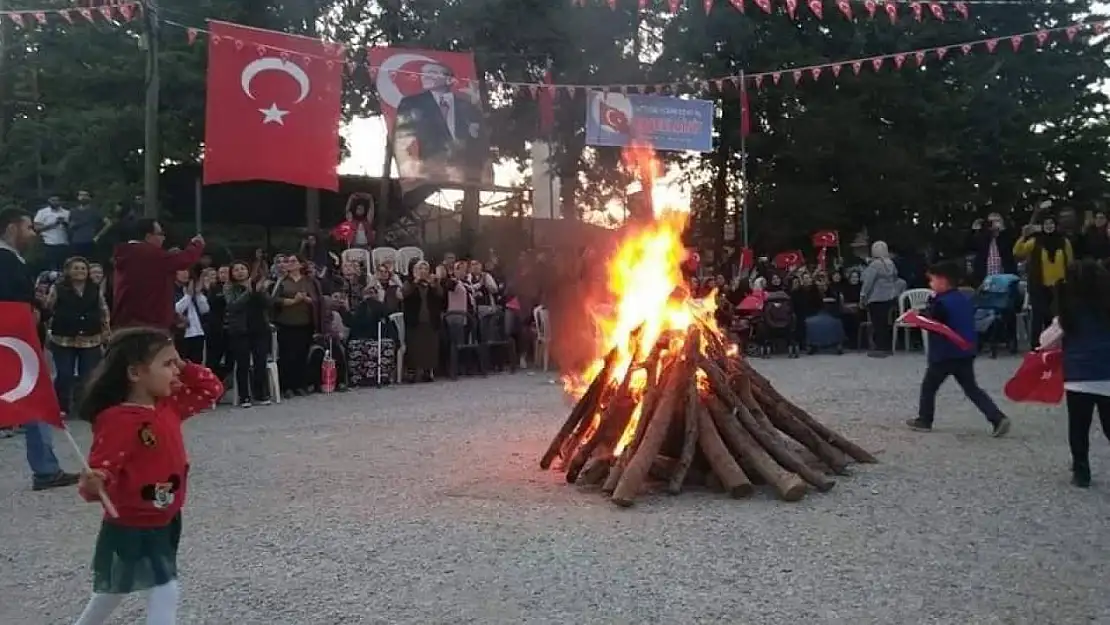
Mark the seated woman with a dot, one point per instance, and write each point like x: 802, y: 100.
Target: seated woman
x: 852, y: 314
x: 373, y: 339
x: 823, y: 326
x: 806, y: 302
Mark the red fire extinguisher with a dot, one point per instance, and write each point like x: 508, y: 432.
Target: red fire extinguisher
x: 327, y: 371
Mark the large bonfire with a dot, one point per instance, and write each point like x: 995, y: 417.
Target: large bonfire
x: 667, y: 398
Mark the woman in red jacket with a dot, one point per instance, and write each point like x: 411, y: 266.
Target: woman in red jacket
x: 136, y: 400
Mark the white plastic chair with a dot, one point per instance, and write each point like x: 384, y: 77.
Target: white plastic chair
x: 542, y: 317
x: 398, y: 320
x: 405, y: 256
x: 913, y: 299
x: 381, y: 254
x: 358, y: 255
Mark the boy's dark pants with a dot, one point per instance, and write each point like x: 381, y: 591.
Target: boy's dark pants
x: 963, y: 370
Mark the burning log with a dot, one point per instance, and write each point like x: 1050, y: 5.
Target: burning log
x: 583, y: 410
x: 689, y: 441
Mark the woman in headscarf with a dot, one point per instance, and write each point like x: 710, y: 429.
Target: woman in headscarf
x: 878, y: 293
x: 1048, y: 253
x: 423, y: 303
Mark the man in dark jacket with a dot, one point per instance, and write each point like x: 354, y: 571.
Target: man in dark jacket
x: 993, y: 247
x: 17, y: 284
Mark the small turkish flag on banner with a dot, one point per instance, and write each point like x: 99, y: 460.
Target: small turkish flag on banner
x: 746, y: 258
x: 914, y: 319
x: 788, y: 260
x: 826, y: 238
x: 26, y: 393
x: 272, y: 108
x: 1040, y: 379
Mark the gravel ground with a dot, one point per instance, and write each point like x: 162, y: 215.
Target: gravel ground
x: 424, y: 505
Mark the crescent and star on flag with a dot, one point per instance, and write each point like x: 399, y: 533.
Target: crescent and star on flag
x: 28, y: 369
x: 273, y: 114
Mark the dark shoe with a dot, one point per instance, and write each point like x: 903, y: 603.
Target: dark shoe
x: 1001, y: 428
x: 287, y: 394
x: 264, y: 402
x: 1081, y: 479
x: 918, y: 425
x: 246, y: 403
x: 60, y: 479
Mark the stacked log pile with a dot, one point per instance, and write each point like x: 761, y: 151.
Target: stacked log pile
x: 704, y: 417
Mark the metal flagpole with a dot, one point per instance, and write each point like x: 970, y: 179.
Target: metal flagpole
x: 743, y: 195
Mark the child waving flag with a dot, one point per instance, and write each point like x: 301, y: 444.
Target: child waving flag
x: 136, y: 400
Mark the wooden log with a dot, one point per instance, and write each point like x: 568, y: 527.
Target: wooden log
x: 647, y: 405
x: 583, y: 409
x: 659, y: 420
x: 764, y: 385
x: 595, y: 471
x: 720, y: 459
x: 690, y: 438
x: 832, y: 456
x: 612, y: 422
x: 788, y: 485
x: 767, y: 438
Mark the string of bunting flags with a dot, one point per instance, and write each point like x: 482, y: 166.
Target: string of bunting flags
x: 939, y: 10
x: 26, y: 18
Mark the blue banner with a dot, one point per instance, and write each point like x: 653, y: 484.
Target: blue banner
x: 660, y: 122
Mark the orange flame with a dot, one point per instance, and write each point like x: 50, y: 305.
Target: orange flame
x: 648, y: 299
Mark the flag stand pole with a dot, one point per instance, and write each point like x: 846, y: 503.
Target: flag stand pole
x: 742, y: 202
x: 109, y: 507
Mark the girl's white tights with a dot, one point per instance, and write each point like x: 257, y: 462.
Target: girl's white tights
x: 161, y: 606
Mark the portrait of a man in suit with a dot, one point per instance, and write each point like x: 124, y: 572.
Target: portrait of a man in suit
x: 438, y: 133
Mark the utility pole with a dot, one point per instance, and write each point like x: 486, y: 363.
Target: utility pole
x: 5, y: 32
x: 151, y: 152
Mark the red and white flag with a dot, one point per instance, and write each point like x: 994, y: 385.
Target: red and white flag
x: 916, y: 320
x: 1039, y: 379
x: 273, y: 108
x: 26, y: 393
x: 786, y: 261
x: 826, y: 238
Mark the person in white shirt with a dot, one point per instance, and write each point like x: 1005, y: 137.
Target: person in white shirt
x: 52, y: 225
x: 190, y: 304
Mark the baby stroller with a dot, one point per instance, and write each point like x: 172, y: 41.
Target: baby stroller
x: 777, y: 323
x: 825, y: 330
x: 745, y: 320
x: 996, y: 306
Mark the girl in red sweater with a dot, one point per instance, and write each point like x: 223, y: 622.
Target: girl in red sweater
x: 136, y: 400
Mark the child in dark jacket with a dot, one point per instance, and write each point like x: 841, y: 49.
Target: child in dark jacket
x: 955, y: 310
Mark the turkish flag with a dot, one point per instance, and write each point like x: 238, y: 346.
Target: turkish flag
x: 826, y: 238
x: 614, y: 118
x: 914, y: 319
x: 1040, y: 378
x: 26, y: 393
x: 785, y: 261
x: 272, y: 109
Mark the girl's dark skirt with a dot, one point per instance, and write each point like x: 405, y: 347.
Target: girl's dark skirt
x: 133, y: 559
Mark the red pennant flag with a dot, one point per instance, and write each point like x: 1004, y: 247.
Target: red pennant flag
x: 891, y: 11
x: 127, y: 11
x: 41, y: 17
x: 941, y: 53
x: 260, y: 110
x: 106, y: 11
x: 708, y: 6
x: 745, y: 111
x: 919, y: 56
x: 1015, y: 42
x: 26, y: 392
x: 966, y: 49
x: 836, y: 70
x: 899, y: 60
x: 916, y: 320
x: 1042, y: 37
x: 797, y: 74
x: 67, y: 15
x: 759, y: 81
x: 674, y: 5
x: 992, y: 44
x: 191, y: 35
x: 825, y: 238
x: 871, y: 7
x: 845, y: 8
x: 1072, y: 31
x: 1039, y: 379
x: 546, y: 102
x: 16, y: 18
x: 764, y: 4
x: 643, y: 4
x: 786, y: 261
x: 815, y: 72
x: 817, y: 8
x: 937, y: 11
x: 776, y: 77
x: 739, y: 4
x: 856, y: 67
x: 86, y: 13
x: 918, y: 10
x: 877, y: 63
x: 569, y: 89
x: 961, y: 8
x: 792, y: 8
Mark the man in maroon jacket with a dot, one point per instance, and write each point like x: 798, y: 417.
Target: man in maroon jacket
x: 144, y: 277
